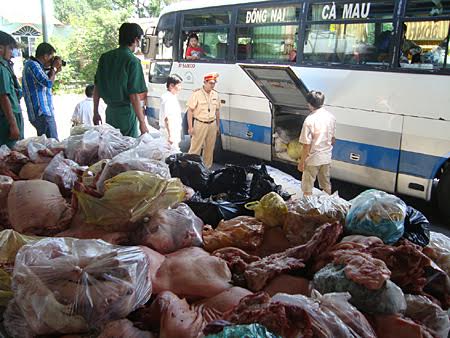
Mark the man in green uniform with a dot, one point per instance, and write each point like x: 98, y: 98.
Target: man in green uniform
x: 120, y: 82
x: 11, y: 120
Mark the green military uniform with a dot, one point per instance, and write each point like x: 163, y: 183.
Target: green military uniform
x: 120, y: 74
x: 9, y: 86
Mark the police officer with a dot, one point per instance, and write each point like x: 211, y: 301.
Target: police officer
x: 120, y: 82
x: 204, y: 118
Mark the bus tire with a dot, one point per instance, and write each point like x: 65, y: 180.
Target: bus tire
x: 443, y: 194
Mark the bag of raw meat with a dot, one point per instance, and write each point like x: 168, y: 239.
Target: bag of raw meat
x: 339, y: 304
x: 377, y: 213
x: 66, y: 285
x: 169, y: 230
x: 112, y: 143
x: 122, y: 163
x: 11, y: 162
x: 129, y: 198
x: 422, y: 310
x: 36, y: 207
x: 6, y: 184
x: 439, y: 250
x: 271, y: 209
x: 148, y: 147
x: 243, y: 232
x: 63, y: 172
x: 331, y: 206
x: 10, y: 243
x: 417, y: 227
x: 83, y: 149
x: 387, y: 299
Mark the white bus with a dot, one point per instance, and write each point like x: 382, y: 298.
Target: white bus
x: 383, y: 65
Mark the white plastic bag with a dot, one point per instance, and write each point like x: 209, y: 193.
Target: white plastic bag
x: 66, y: 285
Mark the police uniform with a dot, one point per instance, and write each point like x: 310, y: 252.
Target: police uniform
x: 9, y: 86
x: 204, y: 107
x: 120, y: 74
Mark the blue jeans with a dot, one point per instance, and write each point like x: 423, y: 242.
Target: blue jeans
x: 46, y: 125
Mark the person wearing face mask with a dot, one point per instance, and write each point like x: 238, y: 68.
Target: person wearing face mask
x: 204, y: 119
x: 170, y: 112
x: 37, y: 86
x: 120, y: 82
x: 11, y: 120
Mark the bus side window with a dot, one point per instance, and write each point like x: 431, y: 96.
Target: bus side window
x: 211, y: 44
x: 424, y: 45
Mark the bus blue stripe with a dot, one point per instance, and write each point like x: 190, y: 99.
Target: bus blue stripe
x: 377, y: 157
x: 421, y: 165
x: 370, y: 155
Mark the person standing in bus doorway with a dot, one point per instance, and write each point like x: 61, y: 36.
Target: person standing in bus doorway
x: 318, y: 138
x: 204, y: 118
x: 170, y: 112
x: 120, y: 82
x: 11, y: 120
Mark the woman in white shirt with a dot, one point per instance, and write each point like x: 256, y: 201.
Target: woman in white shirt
x: 170, y: 122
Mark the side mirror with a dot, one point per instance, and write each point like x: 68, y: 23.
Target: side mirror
x: 150, y: 46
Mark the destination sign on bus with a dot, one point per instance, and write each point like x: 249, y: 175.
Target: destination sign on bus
x: 348, y: 10
x: 269, y: 15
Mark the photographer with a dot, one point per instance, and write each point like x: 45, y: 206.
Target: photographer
x: 37, y: 81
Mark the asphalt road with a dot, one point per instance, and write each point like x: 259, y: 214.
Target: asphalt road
x: 348, y: 190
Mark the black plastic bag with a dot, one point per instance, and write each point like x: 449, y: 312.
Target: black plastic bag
x: 190, y: 169
x: 262, y: 183
x: 212, y: 212
x: 231, y: 180
x: 417, y: 227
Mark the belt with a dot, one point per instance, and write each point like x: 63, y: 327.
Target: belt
x: 206, y: 122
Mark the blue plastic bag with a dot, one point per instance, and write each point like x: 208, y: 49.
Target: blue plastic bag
x: 243, y: 331
x: 377, y: 213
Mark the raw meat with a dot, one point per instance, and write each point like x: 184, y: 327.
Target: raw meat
x: 325, y: 323
x: 177, y: 318
x: 397, y: 326
x: 260, y: 272
x: 129, y: 198
x: 155, y: 260
x: 225, y: 300
x: 6, y: 184
x: 123, y: 328
x: 121, y: 164
x: 299, y: 228
x: 288, y: 284
x: 64, y: 285
x: 424, y: 311
x: 439, y: 250
x: 169, y: 230
x: 388, y: 299
x: 274, y: 241
x: 193, y: 272
x: 406, y: 262
x: 36, y: 207
x: 338, y: 303
x: 63, y: 172
x: 242, y: 232
x: 363, y: 269
x: 237, y: 260
x: 32, y: 171
x: 82, y: 230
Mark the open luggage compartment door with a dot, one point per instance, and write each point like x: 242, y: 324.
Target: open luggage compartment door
x: 279, y: 84
x: 287, y: 95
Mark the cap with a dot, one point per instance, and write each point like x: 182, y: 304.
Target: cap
x: 211, y: 77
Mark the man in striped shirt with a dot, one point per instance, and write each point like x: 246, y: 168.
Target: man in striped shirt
x: 37, y: 89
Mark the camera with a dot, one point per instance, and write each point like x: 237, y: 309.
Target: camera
x: 63, y: 63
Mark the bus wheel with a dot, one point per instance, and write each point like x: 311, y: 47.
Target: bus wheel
x: 443, y: 194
